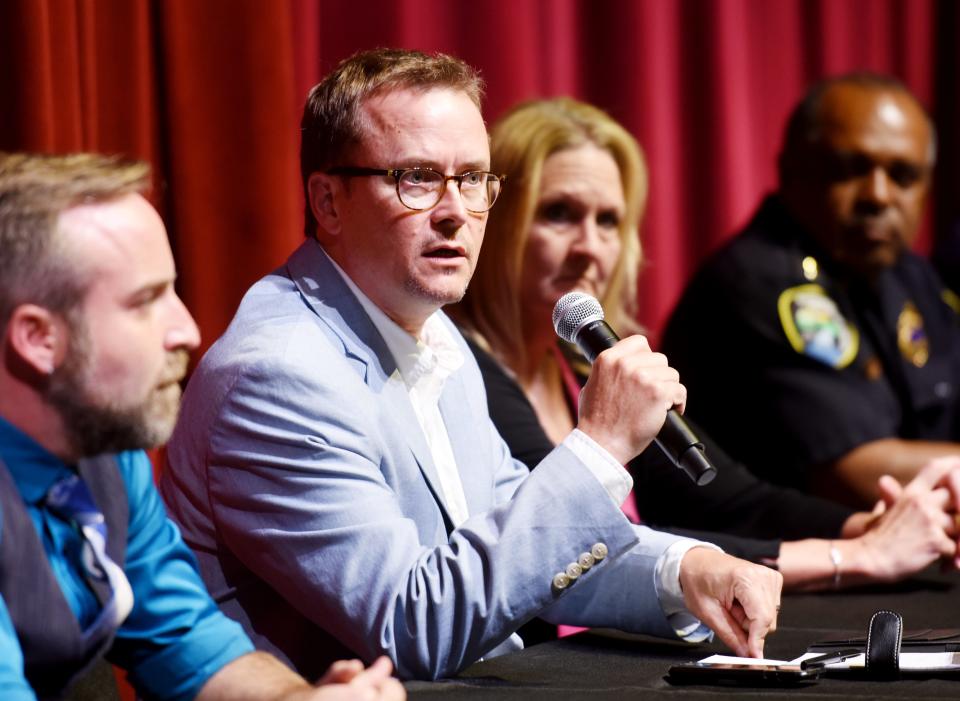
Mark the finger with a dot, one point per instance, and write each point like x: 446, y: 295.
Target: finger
x: 341, y: 672
x: 947, y: 547
x: 935, y: 497
x: 662, y: 380
x: 636, y: 342
x: 757, y: 636
x: 652, y: 366
x: 951, y: 481
x: 941, y: 498
x: 680, y: 400
x: 727, y: 628
x: 934, y: 506
x: 739, y: 615
x: 374, y: 675
x: 654, y: 369
x: 943, y: 472
x: 878, y: 510
x: 630, y: 347
x: 948, y: 524
x: 381, y: 668
x: 384, y: 662
x: 761, y: 606
x: 890, y: 489
x: 938, y: 502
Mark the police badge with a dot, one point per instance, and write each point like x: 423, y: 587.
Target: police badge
x: 815, y: 327
x: 911, y: 337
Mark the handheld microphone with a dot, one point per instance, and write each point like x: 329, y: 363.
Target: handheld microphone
x: 578, y: 319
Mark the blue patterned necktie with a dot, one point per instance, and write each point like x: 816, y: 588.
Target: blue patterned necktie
x: 70, y: 499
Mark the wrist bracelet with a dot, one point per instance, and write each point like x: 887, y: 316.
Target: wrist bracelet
x: 837, y: 559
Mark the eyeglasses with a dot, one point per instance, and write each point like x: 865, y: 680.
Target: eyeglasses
x: 422, y: 188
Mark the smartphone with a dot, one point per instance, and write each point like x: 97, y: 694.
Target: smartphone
x: 741, y: 674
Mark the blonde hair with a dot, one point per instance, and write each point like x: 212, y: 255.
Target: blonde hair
x: 34, y: 191
x: 331, y: 121
x: 521, y: 141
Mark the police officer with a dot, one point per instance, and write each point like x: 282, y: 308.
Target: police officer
x: 840, y: 357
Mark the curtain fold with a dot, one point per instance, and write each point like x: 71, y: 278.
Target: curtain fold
x: 231, y: 139
x: 210, y: 93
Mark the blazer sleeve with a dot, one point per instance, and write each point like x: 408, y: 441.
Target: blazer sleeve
x: 309, y: 493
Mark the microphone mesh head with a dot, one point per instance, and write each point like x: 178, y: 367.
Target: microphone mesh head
x: 572, y: 311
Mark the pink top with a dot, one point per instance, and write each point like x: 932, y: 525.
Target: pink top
x: 572, y: 387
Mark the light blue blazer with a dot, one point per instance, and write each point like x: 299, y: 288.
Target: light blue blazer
x: 304, y: 484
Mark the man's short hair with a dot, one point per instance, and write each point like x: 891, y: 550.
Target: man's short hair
x: 803, y: 126
x: 331, y: 121
x: 35, y: 190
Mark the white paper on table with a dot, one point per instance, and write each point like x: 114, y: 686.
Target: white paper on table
x: 730, y: 659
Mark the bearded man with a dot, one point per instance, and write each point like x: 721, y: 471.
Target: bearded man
x: 93, y: 344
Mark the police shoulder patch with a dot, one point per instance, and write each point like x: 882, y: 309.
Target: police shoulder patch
x: 815, y: 327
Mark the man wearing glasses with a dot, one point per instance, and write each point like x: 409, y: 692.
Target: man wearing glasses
x: 335, y: 467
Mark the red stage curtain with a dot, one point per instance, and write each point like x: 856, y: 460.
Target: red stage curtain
x: 705, y: 85
x: 202, y: 90
x: 210, y: 93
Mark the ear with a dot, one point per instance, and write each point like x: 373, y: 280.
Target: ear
x: 324, y: 192
x: 38, y: 337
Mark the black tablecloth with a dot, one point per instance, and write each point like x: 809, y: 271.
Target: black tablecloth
x: 591, y: 666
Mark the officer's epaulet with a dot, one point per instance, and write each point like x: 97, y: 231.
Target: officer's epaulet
x: 951, y: 298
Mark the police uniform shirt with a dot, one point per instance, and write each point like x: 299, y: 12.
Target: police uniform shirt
x: 793, y: 364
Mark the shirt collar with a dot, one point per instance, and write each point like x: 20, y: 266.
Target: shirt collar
x: 435, y: 351
x: 34, y: 469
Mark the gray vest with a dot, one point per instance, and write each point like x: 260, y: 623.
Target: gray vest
x: 54, y: 652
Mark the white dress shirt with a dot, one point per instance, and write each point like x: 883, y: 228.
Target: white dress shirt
x: 423, y: 366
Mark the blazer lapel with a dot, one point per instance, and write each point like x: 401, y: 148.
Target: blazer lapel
x: 461, y: 422
x: 333, y: 302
